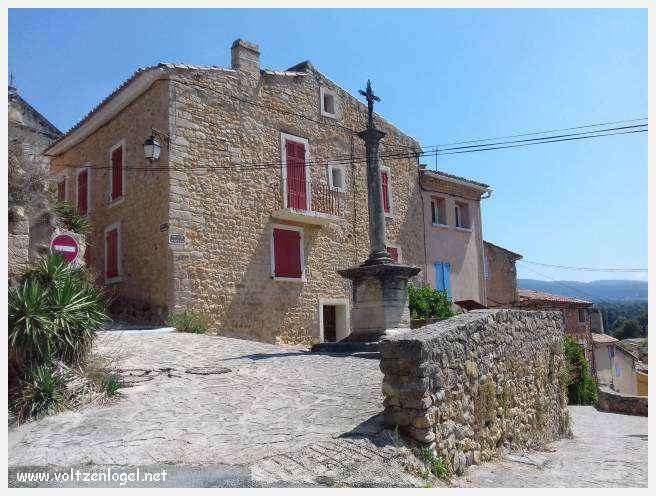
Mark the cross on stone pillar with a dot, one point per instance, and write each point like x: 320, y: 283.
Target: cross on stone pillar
x: 372, y: 137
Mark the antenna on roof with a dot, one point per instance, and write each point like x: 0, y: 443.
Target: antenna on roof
x: 12, y: 84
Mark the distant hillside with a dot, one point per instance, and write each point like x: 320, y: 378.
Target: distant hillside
x: 595, y: 290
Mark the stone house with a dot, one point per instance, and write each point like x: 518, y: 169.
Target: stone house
x: 615, y: 367
x: 500, y: 276
x: 257, y: 198
x: 453, y: 234
x: 576, y: 314
x: 30, y: 220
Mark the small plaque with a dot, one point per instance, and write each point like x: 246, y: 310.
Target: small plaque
x: 177, y: 239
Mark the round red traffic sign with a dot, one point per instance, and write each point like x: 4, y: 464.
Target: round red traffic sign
x: 66, y: 246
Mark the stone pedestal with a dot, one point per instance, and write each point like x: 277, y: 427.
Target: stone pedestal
x: 380, y: 300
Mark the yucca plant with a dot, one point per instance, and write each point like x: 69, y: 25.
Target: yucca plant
x: 41, y: 393
x: 71, y: 219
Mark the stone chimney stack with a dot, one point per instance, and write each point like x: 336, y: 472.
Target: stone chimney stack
x: 245, y: 56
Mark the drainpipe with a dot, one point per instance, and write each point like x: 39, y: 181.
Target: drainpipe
x: 420, y: 169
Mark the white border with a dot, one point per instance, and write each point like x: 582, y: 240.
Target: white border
x: 390, y: 191
x: 119, y: 253
x: 283, y: 166
x: 120, y: 144
x: 337, y: 302
x: 326, y: 91
x: 329, y: 172
x: 286, y: 227
x: 64, y: 175
x: 446, y: 210
x: 85, y: 167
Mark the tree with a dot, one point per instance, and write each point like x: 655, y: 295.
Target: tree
x: 625, y: 328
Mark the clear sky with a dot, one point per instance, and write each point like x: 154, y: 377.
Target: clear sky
x: 443, y: 75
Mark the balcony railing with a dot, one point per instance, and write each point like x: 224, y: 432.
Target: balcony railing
x: 311, y: 203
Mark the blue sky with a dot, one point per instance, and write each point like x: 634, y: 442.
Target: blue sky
x: 443, y: 75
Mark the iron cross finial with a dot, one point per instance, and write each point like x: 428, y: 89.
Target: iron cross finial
x: 371, y: 98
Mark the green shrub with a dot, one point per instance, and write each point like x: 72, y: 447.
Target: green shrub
x: 581, y: 390
x: 53, y: 315
x: 425, y: 303
x: 41, y: 393
x: 71, y: 219
x: 111, y: 385
x: 187, y: 321
x: 435, y: 464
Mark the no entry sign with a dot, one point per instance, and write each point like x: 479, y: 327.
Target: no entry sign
x: 66, y: 246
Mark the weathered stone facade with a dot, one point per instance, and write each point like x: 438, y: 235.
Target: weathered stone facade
x: 220, y: 183
x: 612, y: 401
x: 500, y: 276
x: 472, y: 384
x: 30, y: 220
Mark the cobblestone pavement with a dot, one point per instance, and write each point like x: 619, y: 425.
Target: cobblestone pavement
x: 274, y: 400
x: 608, y: 450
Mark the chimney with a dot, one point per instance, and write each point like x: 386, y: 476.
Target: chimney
x: 245, y: 56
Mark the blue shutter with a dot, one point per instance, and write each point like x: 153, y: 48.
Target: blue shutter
x: 447, y: 278
x: 439, y: 276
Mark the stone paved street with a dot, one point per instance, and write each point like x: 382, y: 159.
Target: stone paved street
x: 274, y: 400
x: 608, y: 450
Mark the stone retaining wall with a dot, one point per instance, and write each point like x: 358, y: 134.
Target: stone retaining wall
x: 470, y: 385
x: 612, y: 401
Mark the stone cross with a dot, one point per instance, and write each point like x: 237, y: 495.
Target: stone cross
x: 372, y: 137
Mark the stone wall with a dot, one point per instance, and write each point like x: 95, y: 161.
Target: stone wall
x: 472, y: 384
x: 225, y: 206
x: 18, y: 243
x: 612, y: 401
x: 142, y: 293
x: 501, y: 281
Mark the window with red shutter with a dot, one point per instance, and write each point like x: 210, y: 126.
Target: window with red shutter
x: 61, y: 190
x: 117, y: 173
x: 296, y: 175
x: 111, y: 247
x: 287, y: 253
x: 83, y: 192
x: 384, y: 179
x: 394, y: 253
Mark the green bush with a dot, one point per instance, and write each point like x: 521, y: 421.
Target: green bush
x: 187, y: 321
x: 425, y: 303
x: 71, y: 219
x: 111, y: 385
x: 53, y: 315
x: 41, y: 393
x: 435, y: 464
x: 582, y: 389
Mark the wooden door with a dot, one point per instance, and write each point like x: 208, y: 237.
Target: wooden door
x: 329, y: 324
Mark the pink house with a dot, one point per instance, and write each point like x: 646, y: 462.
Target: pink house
x: 453, y: 234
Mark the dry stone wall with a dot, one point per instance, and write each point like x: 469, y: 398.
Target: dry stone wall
x: 472, y: 384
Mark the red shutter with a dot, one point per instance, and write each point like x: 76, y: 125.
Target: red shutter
x: 287, y: 253
x: 394, y: 253
x: 384, y: 179
x: 295, y: 167
x: 82, y: 191
x: 61, y: 190
x: 112, y: 254
x: 117, y: 173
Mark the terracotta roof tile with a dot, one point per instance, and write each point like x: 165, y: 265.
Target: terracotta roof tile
x: 603, y: 338
x: 459, y: 178
x: 528, y: 295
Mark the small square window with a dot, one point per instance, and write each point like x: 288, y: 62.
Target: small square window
x: 582, y: 315
x: 438, y: 211
x: 462, y: 215
x: 329, y: 103
x: 336, y: 177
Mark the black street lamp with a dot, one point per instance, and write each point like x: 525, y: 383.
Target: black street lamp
x: 152, y: 148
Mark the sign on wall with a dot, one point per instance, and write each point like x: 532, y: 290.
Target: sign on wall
x: 68, y: 246
x: 177, y: 239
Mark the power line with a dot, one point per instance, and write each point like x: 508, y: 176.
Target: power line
x: 584, y: 268
x: 558, y: 282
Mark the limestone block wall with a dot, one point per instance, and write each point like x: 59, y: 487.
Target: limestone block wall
x: 470, y: 385
x: 612, y: 401
x: 18, y: 243
x: 224, y: 205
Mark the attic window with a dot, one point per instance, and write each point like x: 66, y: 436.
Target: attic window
x: 329, y: 103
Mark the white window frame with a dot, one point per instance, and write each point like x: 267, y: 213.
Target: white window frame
x: 329, y: 171
x: 398, y: 250
x: 326, y: 91
x: 86, y: 167
x: 445, y: 199
x: 120, y: 144
x: 334, y: 302
x: 64, y: 175
x: 287, y: 227
x: 308, y: 170
x: 119, y: 253
x: 469, y: 216
x: 390, y: 191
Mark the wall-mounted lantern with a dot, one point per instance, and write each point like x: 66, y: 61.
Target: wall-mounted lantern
x: 152, y: 146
